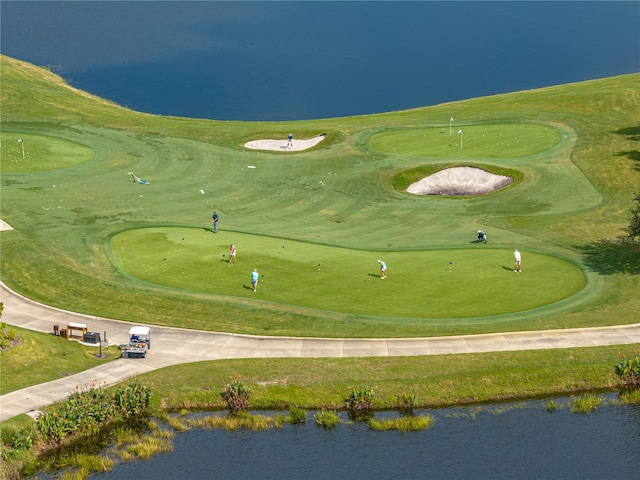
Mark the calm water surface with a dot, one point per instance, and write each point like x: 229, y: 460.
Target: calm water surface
x: 511, y: 441
x: 303, y: 60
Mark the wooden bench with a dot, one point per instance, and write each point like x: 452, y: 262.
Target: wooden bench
x: 80, y: 327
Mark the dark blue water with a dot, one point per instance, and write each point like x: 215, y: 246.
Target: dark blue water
x: 512, y: 441
x: 303, y: 60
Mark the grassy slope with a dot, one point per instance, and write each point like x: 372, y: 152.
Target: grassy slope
x: 58, y: 254
x: 29, y: 362
x: 434, y: 380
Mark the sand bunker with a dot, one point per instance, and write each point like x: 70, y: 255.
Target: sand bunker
x: 5, y: 226
x: 281, y: 145
x: 460, y: 181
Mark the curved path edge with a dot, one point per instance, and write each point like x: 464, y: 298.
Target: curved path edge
x: 173, y: 346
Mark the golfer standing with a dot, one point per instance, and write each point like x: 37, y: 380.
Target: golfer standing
x: 517, y: 259
x: 254, y: 279
x: 290, y: 141
x: 214, y: 219
x: 383, y: 270
x: 232, y: 254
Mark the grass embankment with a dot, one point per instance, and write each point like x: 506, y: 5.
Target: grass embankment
x: 40, y: 358
x: 571, y: 145
x: 434, y: 380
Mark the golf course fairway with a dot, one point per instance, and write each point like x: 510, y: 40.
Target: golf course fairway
x: 82, y: 235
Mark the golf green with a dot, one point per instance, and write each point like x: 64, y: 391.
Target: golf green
x: 498, y: 141
x: 36, y: 153
x: 453, y: 283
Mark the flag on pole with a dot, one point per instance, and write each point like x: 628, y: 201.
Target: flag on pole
x: 460, y: 131
x: 451, y: 119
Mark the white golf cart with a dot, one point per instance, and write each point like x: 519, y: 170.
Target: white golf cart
x: 139, y: 342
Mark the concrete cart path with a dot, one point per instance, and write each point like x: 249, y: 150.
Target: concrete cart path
x: 172, y: 346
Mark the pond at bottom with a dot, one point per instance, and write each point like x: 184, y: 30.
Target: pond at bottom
x: 506, y: 441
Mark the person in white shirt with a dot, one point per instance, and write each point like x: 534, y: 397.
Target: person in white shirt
x: 518, y: 260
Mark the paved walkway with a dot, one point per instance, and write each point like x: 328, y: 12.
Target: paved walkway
x: 172, y: 346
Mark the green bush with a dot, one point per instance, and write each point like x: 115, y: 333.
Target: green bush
x: 405, y: 403
x: 585, y: 403
x: 360, y: 402
x: 88, y: 410
x: 6, y: 334
x: 17, y: 439
x: 327, y: 419
x: 402, y: 424
x: 628, y: 369
x: 297, y: 416
x: 236, y: 393
x: 553, y: 406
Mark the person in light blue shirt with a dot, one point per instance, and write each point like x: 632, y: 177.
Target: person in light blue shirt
x: 383, y: 270
x: 254, y: 279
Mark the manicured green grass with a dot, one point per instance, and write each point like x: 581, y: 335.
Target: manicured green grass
x: 41, y: 153
x: 437, y: 380
x: 42, y: 357
x: 566, y: 144
x: 503, y: 141
x: 462, y: 283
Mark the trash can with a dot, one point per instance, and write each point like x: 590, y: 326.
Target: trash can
x: 63, y: 333
x: 92, y: 337
x: 56, y: 330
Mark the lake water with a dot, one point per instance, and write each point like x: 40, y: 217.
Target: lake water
x: 304, y: 60
x: 508, y: 441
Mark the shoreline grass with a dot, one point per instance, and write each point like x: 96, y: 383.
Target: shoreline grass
x: 432, y: 381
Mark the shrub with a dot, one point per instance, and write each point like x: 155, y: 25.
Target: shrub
x: 18, y: 439
x: 297, y: 416
x: 359, y: 403
x: 402, y: 424
x: 327, y: 419
x: 405, y: 403
x: 132, y: 399
x: 585, y: 403
x: 6, y: 335
x: 90, y: 409
x: 628, y: 369
x: 553, y: 406
x: 236, y: 394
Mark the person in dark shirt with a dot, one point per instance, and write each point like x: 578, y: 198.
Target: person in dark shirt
x: 214, y: 219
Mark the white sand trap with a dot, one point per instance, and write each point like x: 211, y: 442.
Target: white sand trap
x: 460, y: 181
x: 5, y: 226
x: 281, y: 145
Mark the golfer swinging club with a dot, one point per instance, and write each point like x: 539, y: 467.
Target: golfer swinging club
x: 383, y: 270
x: 254, y: 279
